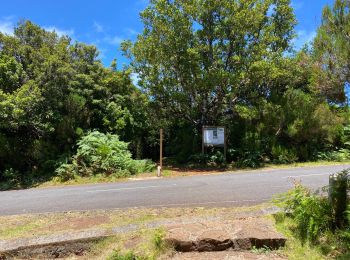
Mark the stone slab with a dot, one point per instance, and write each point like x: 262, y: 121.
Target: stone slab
x: 236, y: 234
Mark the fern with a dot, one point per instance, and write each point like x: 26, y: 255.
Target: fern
x: 100, y: 153
x: 312, y: 213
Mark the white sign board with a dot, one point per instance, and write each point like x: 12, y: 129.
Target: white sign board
x: 214, y: 136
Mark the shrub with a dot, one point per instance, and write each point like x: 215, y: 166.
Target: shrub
x: 158, y: 241
x: 312, y: 213
x: 200, y: 158
x: 11, y: 178
x: 339, y: 155
x: 117, y: 255
x: 100, y: 153
x: 315, y: 215
x: 213, y: 158
x: 217, y: 158
x: 140, y: 166
x: 66, y: 172
x: 250, y: 159
x: 282, y: 155
x: 312, y: 217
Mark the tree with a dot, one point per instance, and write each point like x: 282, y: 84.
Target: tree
x: 53, y: 91
x: 197, y: 59
x: 332, y: 51
x: 207, y: 62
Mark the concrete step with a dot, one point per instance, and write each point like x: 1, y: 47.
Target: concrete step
x: 236, y: 234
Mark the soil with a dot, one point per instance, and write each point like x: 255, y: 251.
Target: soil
x: 79, y: 223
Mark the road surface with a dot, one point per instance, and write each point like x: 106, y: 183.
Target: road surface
x: 231, y: 189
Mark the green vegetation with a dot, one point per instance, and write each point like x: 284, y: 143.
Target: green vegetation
x: 151, y: 249
x: 53, y: 92
x: 199, y: 62
x: 314, y: 223
x: 98, y: 153
x: 127, y: 256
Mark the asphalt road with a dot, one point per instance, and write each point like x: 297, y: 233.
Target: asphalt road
x: 232, y: 189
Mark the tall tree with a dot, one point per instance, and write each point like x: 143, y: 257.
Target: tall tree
x: 332, y: 51
x: 197, y: 59
x: 52, y: 91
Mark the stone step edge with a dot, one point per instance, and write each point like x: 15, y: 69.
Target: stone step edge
x: 210, y: 245
x: 20, y: 243
x: 50, y: 249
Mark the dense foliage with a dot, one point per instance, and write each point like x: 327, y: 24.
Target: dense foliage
x: 200, y: 62
x: 332, y: 51
x: 321, y: 219
x: 98, y: 153
x: 312, y: 213
x: 231, y: 63
x: 52, y: 91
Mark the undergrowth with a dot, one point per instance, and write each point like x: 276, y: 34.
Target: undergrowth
x: 312, y: 223
x: 151, y: 248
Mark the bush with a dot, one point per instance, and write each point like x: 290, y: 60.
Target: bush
x: 200, y: 158
x: 140, y: 166
x: 312, y: 213
x: 250, y: 159
x: 100, y: 153
x: 281, y: 155
x: 11, y: 178
x: 66, y: 172
x: 314, y: 218
x: 127, y: 256
x: 213, y: 158
x: 339, y: 155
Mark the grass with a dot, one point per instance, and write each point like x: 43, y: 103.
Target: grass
x: 295, y: 249
x: 145, y: 240
x: 31, y: 225
x: 145, y: 243
x: 307, y: 164
x: 150, y: 245
x: 329, y: 246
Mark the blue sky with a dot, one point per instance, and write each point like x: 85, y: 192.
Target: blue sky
x: 106, y: 23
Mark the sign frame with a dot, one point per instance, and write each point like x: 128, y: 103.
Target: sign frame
x: 204, y: 145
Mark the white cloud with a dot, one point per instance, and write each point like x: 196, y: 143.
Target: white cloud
x: 7, y: 26
x: 98, y: 27
x: 131, y: 32
x: 59, y: 32
x: 116, y: 40
x: 304, y: 37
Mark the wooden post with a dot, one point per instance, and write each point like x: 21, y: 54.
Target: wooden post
x: 160, y: 153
